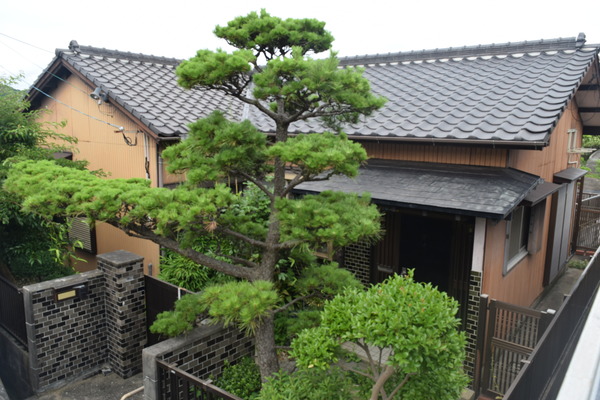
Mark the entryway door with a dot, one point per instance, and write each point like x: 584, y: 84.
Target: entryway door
x: 438, y: 247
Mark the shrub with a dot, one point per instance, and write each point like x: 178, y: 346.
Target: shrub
x: 577, y: 264
x: 241, y: 379
x: 333, y: 384
x: 183, y: 272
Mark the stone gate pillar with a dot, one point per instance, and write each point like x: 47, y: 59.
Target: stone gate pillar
x: 125, y: 310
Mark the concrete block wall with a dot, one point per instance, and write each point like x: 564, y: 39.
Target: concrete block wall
x: 103, y: 319
x: 125, y: 308
x: 201, y: 352
x: 65, y: 337
x: 472, y: 323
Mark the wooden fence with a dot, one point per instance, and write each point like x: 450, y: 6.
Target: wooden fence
x: 176, y: 384
x: 12, y: 311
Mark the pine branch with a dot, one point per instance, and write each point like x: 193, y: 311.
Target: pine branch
x: 237, y: 271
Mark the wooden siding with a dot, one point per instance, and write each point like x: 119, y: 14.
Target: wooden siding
x: 524, y: 283
x: 553, y: 158
x: 437, y: 154
x: 104, y: 148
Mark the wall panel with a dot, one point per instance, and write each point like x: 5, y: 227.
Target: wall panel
x: 437, y: 154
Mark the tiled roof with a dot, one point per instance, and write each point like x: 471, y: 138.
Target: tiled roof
x: 146, y: 86
x: 458, y: 189
x: 499, y: 93
x: 496, y: 94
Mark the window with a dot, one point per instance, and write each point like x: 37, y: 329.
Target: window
x: 517, y: 235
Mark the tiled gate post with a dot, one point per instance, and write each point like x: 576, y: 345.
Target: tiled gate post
x: 125, y: 310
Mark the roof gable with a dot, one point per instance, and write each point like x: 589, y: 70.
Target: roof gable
x: 145, y: 87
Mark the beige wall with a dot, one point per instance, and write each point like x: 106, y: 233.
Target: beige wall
x: 104, y: 148
x: 100, y: 144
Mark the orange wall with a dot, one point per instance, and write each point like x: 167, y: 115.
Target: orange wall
x: 524, y: 282
x: 105, y: 149
x: 554, y: 157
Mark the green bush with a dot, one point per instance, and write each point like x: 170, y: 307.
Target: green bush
x: 241, y: 379
x: 29, y: 249
x: 577, y: 264
x: 333, y: 384
x: 289, y: 324
x: 185, y: 273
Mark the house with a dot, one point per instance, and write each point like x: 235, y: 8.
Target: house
x: 124, y: 109
x: 475, y: 162
x: 474, y: 158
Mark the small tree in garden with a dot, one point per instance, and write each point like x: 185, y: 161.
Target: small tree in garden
x: 31, y: 248
x: 408, y: 332
x: 271, y: 72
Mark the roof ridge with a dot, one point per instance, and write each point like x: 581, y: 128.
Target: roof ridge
x: 572, y: 43
x: 75, y: 48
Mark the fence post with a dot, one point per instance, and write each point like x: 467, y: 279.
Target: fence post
x: 481, y: 333
x: 545, y: 319
x: 578, y: 205
x: 125, y: 310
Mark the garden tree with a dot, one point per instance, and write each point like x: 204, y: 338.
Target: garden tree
x: 32, y: 248
x: 408, y: 332
x: 270, y: 70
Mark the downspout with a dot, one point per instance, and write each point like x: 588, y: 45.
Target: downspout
x: 146, y: 156
x: 159, y: 166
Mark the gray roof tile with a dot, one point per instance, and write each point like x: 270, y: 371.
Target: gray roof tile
x: 507, y: 92
x: 147, y: 87
x: 477, y: 191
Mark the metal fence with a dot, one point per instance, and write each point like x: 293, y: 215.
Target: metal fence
x: 160, y: 296
x: 545, y: 369
x: 12, y: 311
x: 176, y: 384
x: 509, y: 338
x: 588, y: 237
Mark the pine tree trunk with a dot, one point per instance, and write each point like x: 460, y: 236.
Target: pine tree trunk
x: 266, y: 354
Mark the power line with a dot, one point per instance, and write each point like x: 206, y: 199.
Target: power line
x: 28, y: 44
x: 44, y: 69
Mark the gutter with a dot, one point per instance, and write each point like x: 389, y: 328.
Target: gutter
x: 536, y: 145
x: 497, y: 144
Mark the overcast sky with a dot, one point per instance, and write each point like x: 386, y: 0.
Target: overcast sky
x: 177, y: 28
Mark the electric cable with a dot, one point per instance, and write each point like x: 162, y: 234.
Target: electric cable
x: 44, y: 69
x: 119, y: 128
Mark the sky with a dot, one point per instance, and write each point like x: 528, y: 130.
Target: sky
x: 30, y: 30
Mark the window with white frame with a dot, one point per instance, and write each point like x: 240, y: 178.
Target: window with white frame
x: 517, y: 235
